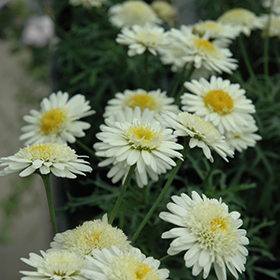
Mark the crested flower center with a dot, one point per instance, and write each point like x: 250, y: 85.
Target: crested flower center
x: 130, y: 267
x: 63, y: 263
x: 199, y: 127
x: 219, y: 101
x: 204, y: 45
x: 94, y: 235
x: 48, y: 152
x: 143, y: 101
x: 201, y: 27
x: 52, y: 121
x: 214, y: 227
x: 238, y: 16
x: 143, y: 137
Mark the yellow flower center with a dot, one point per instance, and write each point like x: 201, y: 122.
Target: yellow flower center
x: 92, y: 240
x: 218, y: 223
x: 142, y: 270
x: 143, y: 137
x: 219, y: 101
x: 238, y: 16
x: 204, y: 45
x: 143, y: 101
x: 52, y: 121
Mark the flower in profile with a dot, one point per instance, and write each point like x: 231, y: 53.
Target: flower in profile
x: 219, y: 102
x: 96, y: 234
x: 87, y: 3
x: 117, y: 264
x: 61, y: 265
x: 137, y: 138
x: 187, y: 49
x: 209, y: 233
x: 165, y: 11
x: 215, y: 29
x: 244, y: 138
x: 202, y: 134
x: 45, y: 158
x: 155, y: 100
x: 132, y: 12
x: 242, y: 18
x: 58, y: 119
x: 141, y: 38
x: 271, y: 25
x: 38, y: 31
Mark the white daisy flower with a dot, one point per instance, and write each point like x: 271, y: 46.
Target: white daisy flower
x: 241, y: 18
x: 219, y: 102
x: 113, y: 263
x: 165, y: 11
x: 244, y: 138
x: 215, y: 29
x: 58, y: 119
x: 273, y: 5
x: 131, y: 12
x: 45, y: 158
x: 155, y: 100
x: 141, y: 38
x: 208, y: 232
x: 271, y: 25
x: 202, y: 134
x: 61, y: 265
x: 87, y: 3
x: 186, y: 48
x: 137, y: 139
x: 96, y: 234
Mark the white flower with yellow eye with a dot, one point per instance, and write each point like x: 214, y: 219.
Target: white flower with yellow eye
x: 219, y: 102
x: 137, y: 138
x: 58, y: 159
x: 113, y: 264
x: 58, y: 120
x: 132, y: 12
x: 209, y: 234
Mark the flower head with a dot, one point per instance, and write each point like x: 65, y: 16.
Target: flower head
x: 58, y: 120
x: 165, y: 11
x: 141, y: 38
x: 187, y: 49
x: 219, y: 102
x: 116, y: 264
x: 87, y: 3
x: 202, y: 134
x: 273, y: 5
x: 271, y: 25
x: 244, y: 138
x: 208, y: 232
x: 132, y: 12
x: 45, y: 158
x: 215, y: 29
x: 241, y: 18
x: 137, y: 139
x: 155, y: 100
x: 38, y: 31
x: 96, y: 234
x: 61, y: 265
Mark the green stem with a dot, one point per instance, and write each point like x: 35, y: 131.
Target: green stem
x: 161, y: 195
x: 87, y: 149
x: 186, y: 79
x: 266, y: 53
x: 122, y: 192
x: 146, y: 69
x: 247, y: 62
x: 46, y: 180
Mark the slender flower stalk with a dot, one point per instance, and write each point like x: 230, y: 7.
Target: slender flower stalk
x: 46, y: 180
x: 122, y: 192
x: 247, y: 62
x: 162, y: 194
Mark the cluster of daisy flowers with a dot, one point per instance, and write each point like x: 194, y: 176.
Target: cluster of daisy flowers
x: 92, y: 251
x: 46, y: 136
